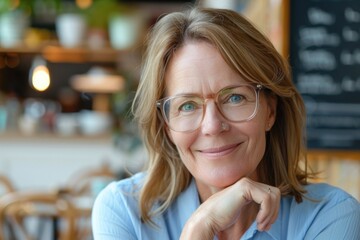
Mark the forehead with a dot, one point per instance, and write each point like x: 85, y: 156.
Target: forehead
x: 199, y: 68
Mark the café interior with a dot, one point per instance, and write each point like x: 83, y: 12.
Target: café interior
x: 68, y: 72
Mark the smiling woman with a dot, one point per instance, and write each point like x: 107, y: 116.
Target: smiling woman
x: 223, y: 125
x: 216, y: 158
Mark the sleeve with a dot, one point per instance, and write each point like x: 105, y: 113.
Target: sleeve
x: 342, y: 221
x: 111, y: 219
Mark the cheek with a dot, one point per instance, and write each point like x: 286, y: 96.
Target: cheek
x: 257, y: 140
x: 260, y: 145
x: 182, y: 141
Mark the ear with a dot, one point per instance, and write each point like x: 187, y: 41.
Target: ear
x: 271, y: 114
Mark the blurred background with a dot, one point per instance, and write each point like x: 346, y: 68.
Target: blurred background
x: 69, y: 70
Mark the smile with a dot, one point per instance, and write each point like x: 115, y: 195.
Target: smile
x: 221, y: 151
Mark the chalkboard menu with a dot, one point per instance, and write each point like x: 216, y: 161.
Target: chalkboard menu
x: 325, y: 60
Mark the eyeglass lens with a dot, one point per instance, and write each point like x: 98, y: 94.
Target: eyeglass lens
x: 185, y: 112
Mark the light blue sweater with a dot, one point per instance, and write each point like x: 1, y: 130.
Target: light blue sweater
x: 336, y: 215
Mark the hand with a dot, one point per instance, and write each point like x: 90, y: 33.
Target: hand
x: 224, y: 208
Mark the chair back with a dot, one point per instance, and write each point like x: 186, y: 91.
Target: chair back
x: 6, y: 185
x: 90, y: 181
x: 86, y: 184
x: 18, y: 210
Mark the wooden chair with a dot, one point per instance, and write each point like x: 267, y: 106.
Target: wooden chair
x: 84, y: 181
x: 6, y: 185
x: 21, y: 209
x: 85, y: 185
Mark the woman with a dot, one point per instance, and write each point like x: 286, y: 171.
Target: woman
x: 223, y: 126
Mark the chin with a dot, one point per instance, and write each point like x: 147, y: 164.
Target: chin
x: 222, y: 180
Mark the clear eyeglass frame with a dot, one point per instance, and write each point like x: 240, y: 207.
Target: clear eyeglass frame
x: 195, y: 122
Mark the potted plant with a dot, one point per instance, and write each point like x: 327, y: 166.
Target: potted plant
x: 97, y: 17
x: 15, y: 18
x: 97, y: 14
x: 120, y: 22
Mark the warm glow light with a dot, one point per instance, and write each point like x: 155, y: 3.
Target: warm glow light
x: 41, y: 78
x: 84, y: 3
x: 15, y: 3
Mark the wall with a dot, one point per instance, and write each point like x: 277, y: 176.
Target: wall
x: 339, y: 170
x: 48, y: 162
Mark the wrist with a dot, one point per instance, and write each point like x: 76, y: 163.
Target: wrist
x: 199, y: 226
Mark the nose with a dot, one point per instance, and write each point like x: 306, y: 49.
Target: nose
x: 212, y: 121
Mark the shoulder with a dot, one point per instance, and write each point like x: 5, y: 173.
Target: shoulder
x: 326, y: 192
x: 123, y: 190
x: 321, y: 197
x: 120, y: 199
x: 324, y: 209
x: 325, y: 196
x: 116, y: 210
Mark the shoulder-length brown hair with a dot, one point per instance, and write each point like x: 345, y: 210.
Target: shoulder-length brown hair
x: 253, y: 56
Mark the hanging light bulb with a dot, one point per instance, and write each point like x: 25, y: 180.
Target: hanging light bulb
x: 83, y: 4
x: 39, y: 75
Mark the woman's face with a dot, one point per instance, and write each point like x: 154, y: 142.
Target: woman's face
x: 216, y: 156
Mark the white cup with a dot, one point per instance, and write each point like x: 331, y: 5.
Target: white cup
x: 71, y: 29
x: 12, y: 28
x: 124, y: 30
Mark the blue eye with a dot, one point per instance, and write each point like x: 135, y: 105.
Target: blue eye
x: 188, y: 107
x: 235, y: 98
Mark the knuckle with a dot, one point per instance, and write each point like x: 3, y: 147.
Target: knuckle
x: 245, y: 182
x: 277, y: 192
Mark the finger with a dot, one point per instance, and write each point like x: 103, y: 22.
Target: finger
x: 269, y: 200
x: 266, y: 205
x: 275, y: 197
x: 269, y: 208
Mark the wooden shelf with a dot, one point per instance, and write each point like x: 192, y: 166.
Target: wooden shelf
x: 333, y: 154
x: 24, y: 49
x: 19, y: 137
x: 53, y: 52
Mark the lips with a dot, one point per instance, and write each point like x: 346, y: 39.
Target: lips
x: 220, y: 151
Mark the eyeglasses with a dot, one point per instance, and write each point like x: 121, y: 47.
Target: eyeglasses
x: 185, y: 112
